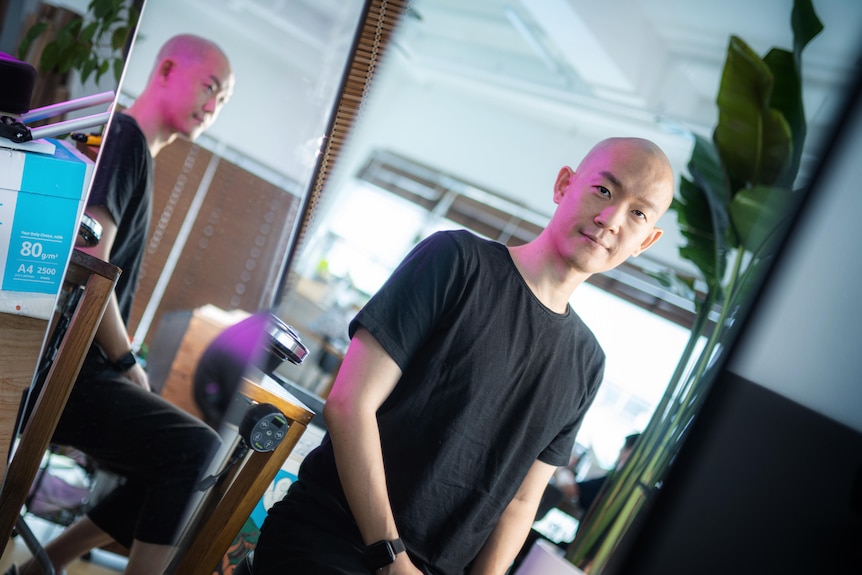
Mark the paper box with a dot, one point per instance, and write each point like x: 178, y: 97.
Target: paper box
x: 41, y: 198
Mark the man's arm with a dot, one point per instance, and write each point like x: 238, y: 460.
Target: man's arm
x: 366, y: 378
x: 511, y: 531
x: 111, y: 335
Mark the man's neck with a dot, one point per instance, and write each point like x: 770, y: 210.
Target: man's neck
x: 551, y: 280
x: 151, y: 125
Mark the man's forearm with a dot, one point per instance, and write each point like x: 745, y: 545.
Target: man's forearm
x: 511, y: 531
x: 356, y: 443
x: 364, y: 380
x: 111, y: 334
x: 506, y: 540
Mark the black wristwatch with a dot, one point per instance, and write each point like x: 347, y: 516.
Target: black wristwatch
x: 383, y: 553
x: 125, y: 362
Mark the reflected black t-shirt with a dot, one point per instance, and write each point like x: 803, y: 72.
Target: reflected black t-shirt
x: 123, y: 183
x: 492, y: 380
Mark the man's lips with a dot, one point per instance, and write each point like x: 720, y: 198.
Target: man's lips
x: 198, y: 119
x: 594, y: 239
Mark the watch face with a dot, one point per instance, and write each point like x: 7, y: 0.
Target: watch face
x: 380, y: 554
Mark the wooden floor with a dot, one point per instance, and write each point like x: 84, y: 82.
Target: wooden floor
x: 103, y: 563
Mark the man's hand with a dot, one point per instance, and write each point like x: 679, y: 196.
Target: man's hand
x: 138, y: 376
x: 401, y: 566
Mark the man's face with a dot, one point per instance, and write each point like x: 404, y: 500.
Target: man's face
x: 608, y: 209
x: 195, y: 91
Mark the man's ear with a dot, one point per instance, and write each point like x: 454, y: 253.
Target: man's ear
x: 650, y: 240
x: 165, y: 68
x: 562, y: 183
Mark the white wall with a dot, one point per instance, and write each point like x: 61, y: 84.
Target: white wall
x: 283, y: 94
x: 484, y: 137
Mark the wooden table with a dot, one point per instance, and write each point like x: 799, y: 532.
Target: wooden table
x: 97, y: 280
x: 20, y: 342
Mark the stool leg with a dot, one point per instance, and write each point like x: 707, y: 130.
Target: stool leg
x: 34, y: 546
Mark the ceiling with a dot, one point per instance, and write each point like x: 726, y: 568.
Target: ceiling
x: 617, y: 61
x: 611, y: 62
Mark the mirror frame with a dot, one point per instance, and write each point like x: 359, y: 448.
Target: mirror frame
x: 377, y: 24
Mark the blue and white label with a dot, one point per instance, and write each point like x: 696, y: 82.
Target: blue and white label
x: 39, y: 243
x: 40, y: 198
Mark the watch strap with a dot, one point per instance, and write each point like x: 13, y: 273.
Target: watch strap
x: 125, y: 362
x: 383, y: 553
x: 397, y: 546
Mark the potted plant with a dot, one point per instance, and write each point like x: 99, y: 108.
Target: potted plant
x: 733, y: 209
x: 93, y: 44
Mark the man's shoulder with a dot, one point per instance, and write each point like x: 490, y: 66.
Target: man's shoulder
x: 123, y: 119
x: 126, y: 129
x: 467, y: 242
x: 587, y: 343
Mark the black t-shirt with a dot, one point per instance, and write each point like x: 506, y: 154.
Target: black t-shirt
x: 123, y: 184
x: 492, y: 380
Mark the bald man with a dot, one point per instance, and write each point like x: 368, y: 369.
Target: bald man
x: 112, y: 415
x: 466, y: 379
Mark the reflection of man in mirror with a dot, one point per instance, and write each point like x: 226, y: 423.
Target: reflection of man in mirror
x: 465, y: 382
x: 112, y: 415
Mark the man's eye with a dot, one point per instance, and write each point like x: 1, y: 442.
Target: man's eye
x: 209, y: 89
x: 639, y: 214
x: 603, y: 190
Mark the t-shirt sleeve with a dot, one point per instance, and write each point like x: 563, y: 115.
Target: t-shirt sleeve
x: 559, y: 452
x: 414, y: 298
x: 120, y: 169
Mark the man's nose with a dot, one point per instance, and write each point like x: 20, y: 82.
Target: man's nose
x: 211, y: 105
x: 609, y: 218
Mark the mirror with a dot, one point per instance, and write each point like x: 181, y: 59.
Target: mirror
x: 476, y: 108
x: 466, y: 124
x: 227, y: 206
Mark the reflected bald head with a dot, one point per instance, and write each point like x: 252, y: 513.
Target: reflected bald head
x: 651, y: 163
x: 188, y: 47
x: 191, y: 81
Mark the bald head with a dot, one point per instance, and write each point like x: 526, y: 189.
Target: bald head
x: 189, y: 48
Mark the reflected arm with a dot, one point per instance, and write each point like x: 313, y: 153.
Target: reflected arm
x: 112, y: 336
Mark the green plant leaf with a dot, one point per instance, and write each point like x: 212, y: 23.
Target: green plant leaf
x: 702, y: 213
x: 805, y: 24
x: 34, y: 32
x: 675, y: 282
x: 103, y: 9
x: 87, y: 69
x: 118, y: 69
x: 757, y: 214
x: 103, y: 68
x: 786, y: 68
x: 753, y: 140
x: 50, y: 57
x: 88, y: 32
x: 695, y: 226
x: 787, y: 99
x: 118, y: 38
